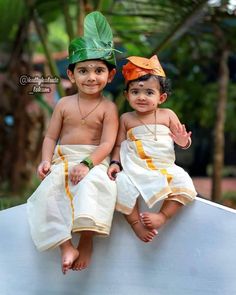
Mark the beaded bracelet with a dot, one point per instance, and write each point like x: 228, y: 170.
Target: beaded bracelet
x: 117, y: 163
x: 87, y: 162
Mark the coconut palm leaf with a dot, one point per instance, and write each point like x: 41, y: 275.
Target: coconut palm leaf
x: 151, y: 25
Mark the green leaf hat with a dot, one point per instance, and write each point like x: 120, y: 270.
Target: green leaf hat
x: 97, y: 42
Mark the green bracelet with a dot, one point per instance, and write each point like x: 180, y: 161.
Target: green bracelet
x: 88, y: 162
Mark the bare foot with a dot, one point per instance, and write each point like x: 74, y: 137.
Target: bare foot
x: 85, y: 249
x: 144, y: 234
x: 68, y: 255
x: 153, y: 220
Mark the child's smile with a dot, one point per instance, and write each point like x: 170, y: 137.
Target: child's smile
x: 91, y: 76
x: 144, y: 96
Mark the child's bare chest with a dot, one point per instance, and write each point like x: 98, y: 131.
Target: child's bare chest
x: 161, y: 118
x: 73, y: 117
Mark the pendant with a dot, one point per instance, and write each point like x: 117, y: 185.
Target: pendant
x: 83, y: 121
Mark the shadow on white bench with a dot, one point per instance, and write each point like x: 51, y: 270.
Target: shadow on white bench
x: 194, y: 254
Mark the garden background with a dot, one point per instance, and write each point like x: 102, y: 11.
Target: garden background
x: 195, y: 42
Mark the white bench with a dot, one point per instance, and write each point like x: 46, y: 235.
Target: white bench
x: 194, y: 254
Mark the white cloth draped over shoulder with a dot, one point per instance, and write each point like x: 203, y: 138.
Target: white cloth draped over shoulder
x: 57, y: 208
x: 149, y: 170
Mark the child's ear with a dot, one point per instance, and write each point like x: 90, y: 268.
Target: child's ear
x: 111, y: 75
x: 70, y: 76
x: 163, y: 98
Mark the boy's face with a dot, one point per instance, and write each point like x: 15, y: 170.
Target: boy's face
x: 144, y: 96
x: 91, y: 76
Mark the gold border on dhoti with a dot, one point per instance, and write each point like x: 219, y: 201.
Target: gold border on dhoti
x: 66, y: 174
x: 147, y: 158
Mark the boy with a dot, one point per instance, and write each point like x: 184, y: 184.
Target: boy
x: 76, y: 194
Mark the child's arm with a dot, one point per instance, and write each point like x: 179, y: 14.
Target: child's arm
x: 49, y: 142
x: 115, y: 165
x: 109, y: 134
x: 178, y: 132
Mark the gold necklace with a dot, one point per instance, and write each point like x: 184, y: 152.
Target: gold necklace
x: 83, y: 121
x: 155, y: 126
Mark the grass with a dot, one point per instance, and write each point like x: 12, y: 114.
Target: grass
x: 9, y: 199
x: 229, y: 199
x: 8, y: 202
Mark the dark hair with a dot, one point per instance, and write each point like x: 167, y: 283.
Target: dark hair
x: 110, y: 67
x: 71, y: 67
x: 165, y: 83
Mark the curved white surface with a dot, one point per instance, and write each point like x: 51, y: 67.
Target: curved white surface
x: 194, y: 254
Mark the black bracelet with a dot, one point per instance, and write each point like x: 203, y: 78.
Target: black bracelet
x: 117, y: 163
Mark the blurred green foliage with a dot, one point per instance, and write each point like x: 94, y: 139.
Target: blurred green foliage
x: 180, y: 32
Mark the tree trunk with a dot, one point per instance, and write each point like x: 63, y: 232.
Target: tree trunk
x: 84, y: 7
x: 80, y: 17
x: 21, y: 137
x: 218, y: 155
x: 68, y: 20
x: 51, y: 63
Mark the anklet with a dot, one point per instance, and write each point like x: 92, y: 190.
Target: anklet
x: 166, y: 216
x: 134, y: 222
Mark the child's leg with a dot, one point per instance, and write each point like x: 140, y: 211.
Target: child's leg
x: 156, y: 220
x: 144, y: 234
x: 68, y: 255
x: 85, y: 248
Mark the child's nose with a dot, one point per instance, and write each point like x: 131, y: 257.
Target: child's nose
x: 141, y: 97
x: 91, y: 77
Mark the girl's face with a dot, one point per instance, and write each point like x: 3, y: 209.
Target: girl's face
x: 144, y: 96
x: 91, y: 76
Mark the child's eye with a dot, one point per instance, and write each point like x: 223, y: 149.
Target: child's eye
x: 134, y: 92
x: 100, y: 70
x: 82, y: 71
x: 150, y: 92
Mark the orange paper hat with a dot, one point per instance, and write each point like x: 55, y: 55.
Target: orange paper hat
x: 140, y: 66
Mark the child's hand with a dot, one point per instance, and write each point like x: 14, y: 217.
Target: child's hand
x: 113, y: 169
x: 77, y: 173
x: 43, y: 169
x: 180, y: 135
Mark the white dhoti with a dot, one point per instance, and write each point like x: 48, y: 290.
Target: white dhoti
x: 149, y: 170
x: 58, y: 208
